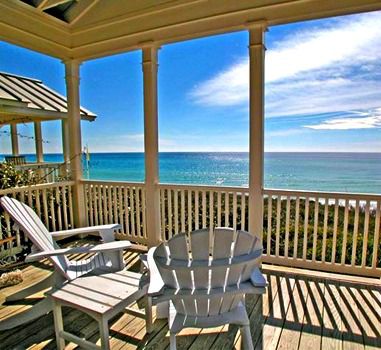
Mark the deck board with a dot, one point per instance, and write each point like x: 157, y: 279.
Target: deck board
x: 297, y: 312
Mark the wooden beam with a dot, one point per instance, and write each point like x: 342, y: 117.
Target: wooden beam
x: 256, y: 126
x: 78, y: 10
x: 47, y: 4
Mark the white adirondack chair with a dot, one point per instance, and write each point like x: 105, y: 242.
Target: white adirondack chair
x: 108, y: 254
x: 205, y: 278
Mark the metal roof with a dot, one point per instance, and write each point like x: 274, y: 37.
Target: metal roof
x: 27, y: 98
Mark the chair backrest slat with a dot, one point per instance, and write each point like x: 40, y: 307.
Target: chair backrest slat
x: 223, y: 239
x: 200, y: 244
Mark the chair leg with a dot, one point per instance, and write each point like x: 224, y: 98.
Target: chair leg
x: 149, y: 315
x: 172, y: 341
x: 162, y: 310
x: 58, y: 325
x: 104, y: 333
x: 247, y: 341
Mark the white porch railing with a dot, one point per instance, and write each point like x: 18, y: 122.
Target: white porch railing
x: 52, y: 202
x: 118, y: 202
x: 338, y: 232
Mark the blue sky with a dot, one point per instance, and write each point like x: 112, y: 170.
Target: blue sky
x: 323, y: 91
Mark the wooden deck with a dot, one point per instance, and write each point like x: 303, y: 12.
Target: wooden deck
x: 297, y: 312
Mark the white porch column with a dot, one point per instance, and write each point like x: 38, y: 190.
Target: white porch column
x: 75, y: 147
x: 256, y: 128
x: 14, y: 140
x: 38, y: 141
x: 151, y: 144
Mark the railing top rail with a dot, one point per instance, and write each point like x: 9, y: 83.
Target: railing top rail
x: 36, y: 187
x: 113, y: 183
x: 318, y: 194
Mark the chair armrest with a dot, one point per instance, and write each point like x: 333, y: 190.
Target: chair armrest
x: 99, y: 248
x: 257, y: 278
x: 156, y: 283
x: 102, y: 229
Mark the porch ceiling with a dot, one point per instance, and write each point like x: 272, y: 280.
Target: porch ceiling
x: 85, y: 29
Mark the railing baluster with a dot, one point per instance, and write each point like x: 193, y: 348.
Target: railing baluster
x: 269, y: 225
x: 235, y: 210
x: 196, y: 210
x: 115, y: 214
x: 144, y: 213
x: 203, y: 209
x: 211, y: 212
x: 64, y: 207
x: 218, y: 208
x: 95, y: 196
x: 325, y: 229
x: 109, y: 197
x: 190, y: 220
x: 227, y: 196
x: 182, y: 210
x: 277, y: 234
x: 366, y: 231
x: 316, y: 221
x: 287, y: 233
x: 121, y: 210
x: 126, y: 211
x: 88, y: 189
x: 52, y: 211
x: 335, y: 224
x: 71, y: 215
x: 355, y: 233
x: 58, y: 202
x: 169, y: 194
x: 137, y: 212
x: 176, y: 204
x: 132, y: 211
x: 306, y: 221
x: 345, y: 232
x: 38, y: 203
x: 376, y: 242
x: 243, y: 211
x: 296, y: 234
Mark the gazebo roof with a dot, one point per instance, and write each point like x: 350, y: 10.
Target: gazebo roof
x: 85, y: 29
x: 25, y: 99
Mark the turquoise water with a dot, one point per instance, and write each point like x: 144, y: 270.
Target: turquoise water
x: 343, y: 172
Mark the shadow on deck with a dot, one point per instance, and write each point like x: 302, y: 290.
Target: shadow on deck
x: 297, y: 312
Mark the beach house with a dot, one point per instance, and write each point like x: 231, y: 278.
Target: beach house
x: 321, y: 250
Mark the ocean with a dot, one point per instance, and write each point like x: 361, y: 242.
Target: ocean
x: 339, y: 172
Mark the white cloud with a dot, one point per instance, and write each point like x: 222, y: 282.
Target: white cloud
x: 370, y: 122
x: 313, y: 71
